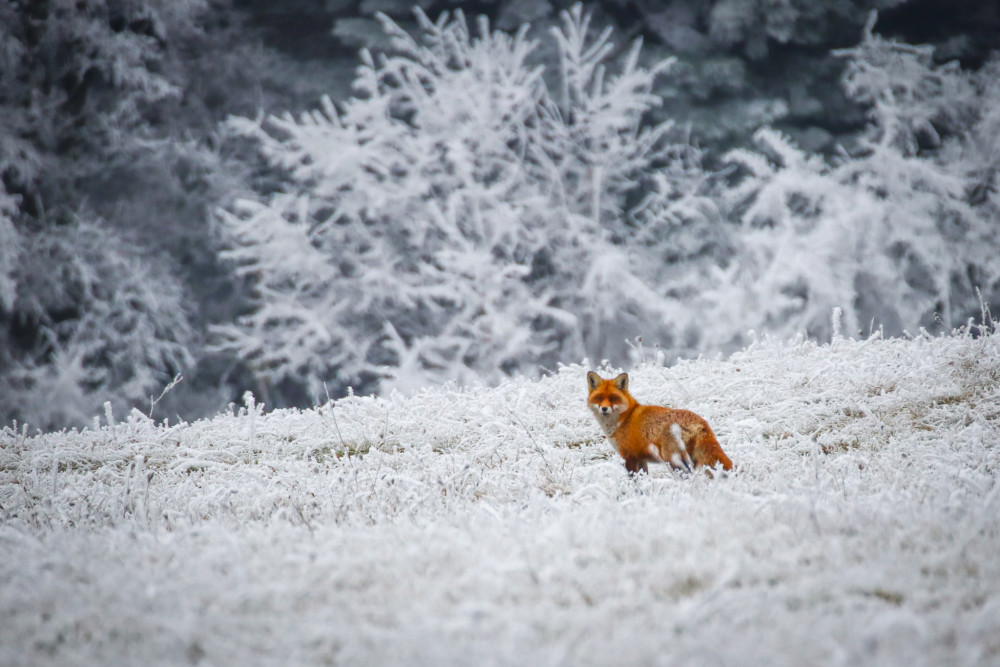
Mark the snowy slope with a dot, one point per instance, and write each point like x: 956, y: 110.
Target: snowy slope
x: 496, y: 526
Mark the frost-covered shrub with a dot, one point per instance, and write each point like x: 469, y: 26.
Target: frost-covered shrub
x: 89, y: 323
x: 456, y: 219
x: 888, y: 233
x: 977, y: 154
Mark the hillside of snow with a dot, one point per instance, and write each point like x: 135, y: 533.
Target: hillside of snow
x: 481, y: 526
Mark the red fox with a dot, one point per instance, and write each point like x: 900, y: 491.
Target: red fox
x: 645, y: 433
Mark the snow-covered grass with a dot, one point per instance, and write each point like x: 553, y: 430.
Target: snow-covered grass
x: 481, y: 526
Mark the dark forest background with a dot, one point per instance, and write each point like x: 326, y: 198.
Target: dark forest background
x: 115, y: 156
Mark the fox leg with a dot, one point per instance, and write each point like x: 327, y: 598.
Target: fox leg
x: 634, y: 466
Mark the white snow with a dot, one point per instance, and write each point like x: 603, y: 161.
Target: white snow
x: 479, y: 526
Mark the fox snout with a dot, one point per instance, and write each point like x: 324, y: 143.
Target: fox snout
x: 606, y: 409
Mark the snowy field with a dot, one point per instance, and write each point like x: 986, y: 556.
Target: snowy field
x: 480, y: 526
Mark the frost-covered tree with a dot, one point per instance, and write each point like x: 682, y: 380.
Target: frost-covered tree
x: 84, y: 318
x: 94, y: 194
x: 888, y: 233
x: 80, y: 78
x: 455, y: 219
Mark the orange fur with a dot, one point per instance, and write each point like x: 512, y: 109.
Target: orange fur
x: 645, y: 433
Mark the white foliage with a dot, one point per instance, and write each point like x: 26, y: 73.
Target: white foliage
x: 888, y: 234
x: 442, y: 221
x: 911, y: 100
x: 111, y: 329
x: 498, y: 526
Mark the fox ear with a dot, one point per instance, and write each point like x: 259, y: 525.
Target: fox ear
x: 593, y: 379
x: 621, y: 382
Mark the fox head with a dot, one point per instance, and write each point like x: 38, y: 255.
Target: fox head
x: 608, y: 399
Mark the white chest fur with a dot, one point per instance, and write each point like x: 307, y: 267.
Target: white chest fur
x: 607, y: 420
